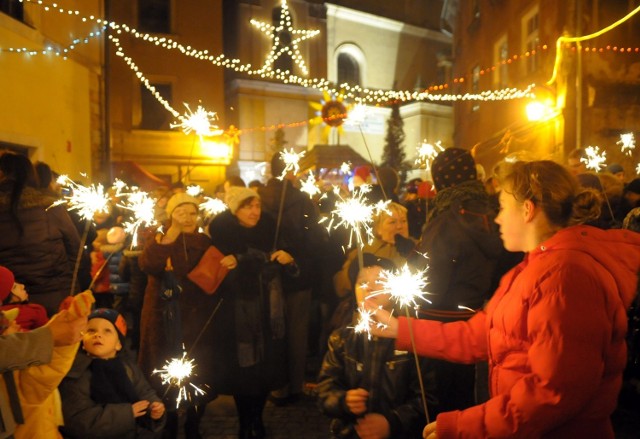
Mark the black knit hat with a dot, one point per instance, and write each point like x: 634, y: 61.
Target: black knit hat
x: 452, y: 167
x: 114, y: 317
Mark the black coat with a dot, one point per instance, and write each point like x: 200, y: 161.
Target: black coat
x: 248, y: 331
x: 353, y: 361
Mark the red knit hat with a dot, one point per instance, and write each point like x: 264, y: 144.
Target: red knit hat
x: 6, y: 282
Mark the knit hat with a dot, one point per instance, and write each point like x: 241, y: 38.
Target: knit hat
x: 235, y: 195
x: 178, y: 199
x: 114, y: 317
x: 6, y: 282
x: 615, y: 168
x: 369, y: 260
x: 452, y: 167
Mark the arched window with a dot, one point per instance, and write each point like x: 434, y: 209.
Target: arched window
x: 348, y: 69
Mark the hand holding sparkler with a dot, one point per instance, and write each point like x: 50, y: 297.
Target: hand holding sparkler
x: 387, y: 326
x: 157, y: 410
x: 356, y: 401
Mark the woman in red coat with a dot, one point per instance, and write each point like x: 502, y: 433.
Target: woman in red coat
x: 554, y: 331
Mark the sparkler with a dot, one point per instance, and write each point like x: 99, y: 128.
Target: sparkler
x: 594, y: 159
x: 143, y: 209
x: 194, y: 190
x: 627, y: 143
x: 638, y: 168
x: 291, y: 160
x: 355, y: 214
x: 427, y: 152
x: 177, y: 372
x: 199, y: 121
x: 345, y: 168
x: 309, y: 185
x: 87, y: 200
x: 403, y: 286
x: 212, y: 206
x: 366, y: 321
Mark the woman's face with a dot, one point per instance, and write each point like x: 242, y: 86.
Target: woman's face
x: 511, y: 220
x: 390, y: 225
x: 186, y: 216
x: 249, y: 214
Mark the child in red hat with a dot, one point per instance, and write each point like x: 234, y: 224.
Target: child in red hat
x: 13, y: 295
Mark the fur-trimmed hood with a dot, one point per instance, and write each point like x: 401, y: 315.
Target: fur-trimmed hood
x: 29, y: 198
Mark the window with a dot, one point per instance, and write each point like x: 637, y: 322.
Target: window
x: 348, y: 69
x: 500, y: 57
x: 154, y: 115
x: 284, y: 62
x: 13, y: 8
x: 531, y: 37
x: 475, y: 86
x: 154, y: 16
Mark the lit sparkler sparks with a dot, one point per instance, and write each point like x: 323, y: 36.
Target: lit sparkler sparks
x: 87, y: 200
x: 194, y: 190
x: 427, y: 152
x: 355, y: 214
x: 594, y: 160
x: 366, y: 320
x: 199, y: 122
x: 291, y: 161
x: 143, y: 210
x: 212, y: 206
x: 627, y: 143
x: 309, y: 185
x: 345, y: 168
x: 177, y: 372
x: 404, y: 287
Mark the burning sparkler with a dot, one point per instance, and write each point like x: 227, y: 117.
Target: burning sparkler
x: 309, y: 185
x: 143, y: 209
x: 194, y: 190
x: 427, y: 152
x: 291, y: 160
x: 345, y: 168
x: 356, y: 214
x: 404, y: 287
x: 87, y: 200
x: 212, y: 206
x: 176, y: 373
x: 627, y: 143
x: 199, y: 121
x: 594, y: 159
x: 366, y: 321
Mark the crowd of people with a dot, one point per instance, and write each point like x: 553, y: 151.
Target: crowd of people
x: 522, y: 333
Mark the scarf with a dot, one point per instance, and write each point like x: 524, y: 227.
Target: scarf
x: 110, y: 383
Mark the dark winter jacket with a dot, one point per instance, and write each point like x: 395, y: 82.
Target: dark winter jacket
x: 43, y: 257
x: 85, y: 418
x: 249, y: 357
x: 353, y: 361
x: 299, y: 228
x: 194, y: 304
x: 462, y: 243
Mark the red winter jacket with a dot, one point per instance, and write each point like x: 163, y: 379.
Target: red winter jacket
x: 554, y: 336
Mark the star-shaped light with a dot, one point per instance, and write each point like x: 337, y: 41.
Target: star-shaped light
x: 279, y: 48
x: 627, y: 143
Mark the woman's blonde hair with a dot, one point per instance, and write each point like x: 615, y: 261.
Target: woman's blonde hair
x: 391, y: 209
x: 551, y: 187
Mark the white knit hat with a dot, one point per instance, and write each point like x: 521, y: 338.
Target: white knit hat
x: 178, y: 199
x: 236, y: 195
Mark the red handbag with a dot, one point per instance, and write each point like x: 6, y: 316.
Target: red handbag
x: 209, y: 274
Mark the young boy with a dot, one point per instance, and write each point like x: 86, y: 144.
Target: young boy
x: 14, y: 295
x: 105, y: 394
x: 366, y: 386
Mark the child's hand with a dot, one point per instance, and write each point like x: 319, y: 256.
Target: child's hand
x: 373, y: 426
x: 139, y: 408
x: 157, y: 410
x: 356, y: 401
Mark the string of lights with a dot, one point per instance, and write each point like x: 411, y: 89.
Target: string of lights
x: 51, y: 49
x: 355, y: 92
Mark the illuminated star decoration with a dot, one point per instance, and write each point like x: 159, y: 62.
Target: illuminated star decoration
x: 176, y: 372
x: 212, y: 206
x: 355, y: 214
x: 290, y: 159
x: 427, y: 152
x: 627, y: 143
x: 594, y: 159
x: 330, y: 111
x: 199, y: 122
x: 142, y: 208
x: 404, y: 287
x: 309, y: 185
x: 87, y: 200
x: 278, y: 47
